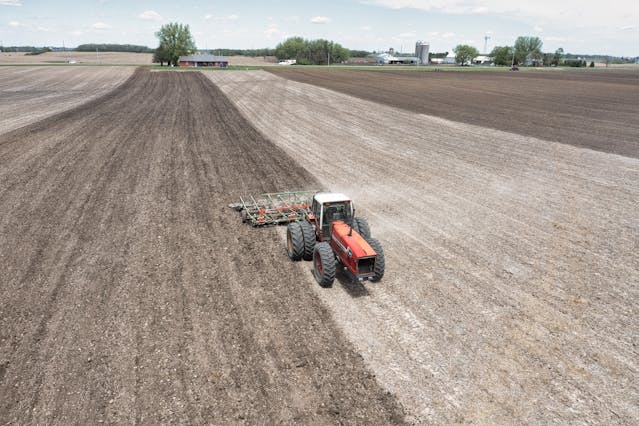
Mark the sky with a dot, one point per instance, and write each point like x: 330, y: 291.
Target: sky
x: 578, y: 26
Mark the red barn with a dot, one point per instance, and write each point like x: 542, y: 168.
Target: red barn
x: 203, y: 61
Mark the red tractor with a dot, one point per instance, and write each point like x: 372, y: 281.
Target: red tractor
x: 325, y: 231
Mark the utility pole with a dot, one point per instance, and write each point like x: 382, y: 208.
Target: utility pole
x: 486, y: 38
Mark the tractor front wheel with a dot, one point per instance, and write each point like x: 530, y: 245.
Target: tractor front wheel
x: 324, y: 264
x: 360, y: 224
x: 379, y: 259
x: 294, y: 241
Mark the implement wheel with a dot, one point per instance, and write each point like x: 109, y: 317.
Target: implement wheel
x: 294, y: 241
x: 379, y: 261
x: 324, y: 264
x: 360, y: 225
x: 309, y: 239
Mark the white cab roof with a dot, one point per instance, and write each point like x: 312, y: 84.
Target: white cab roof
x: 330, y: 197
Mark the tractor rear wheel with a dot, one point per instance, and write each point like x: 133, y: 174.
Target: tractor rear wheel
x: 308, y: 232
x: 379, y: 260
x: 324, y: 264
x: 360, y: 224
x: 294, y: 241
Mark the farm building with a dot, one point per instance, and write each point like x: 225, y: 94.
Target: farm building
x: 203, y: 61
x: 389, y: 58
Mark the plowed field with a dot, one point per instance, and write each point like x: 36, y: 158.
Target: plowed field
x: 512, y: 279
x: 132, y: 294
x: 597, y: 110
x: 29, y: 94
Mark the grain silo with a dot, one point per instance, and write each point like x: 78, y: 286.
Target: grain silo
x: 421, y: 51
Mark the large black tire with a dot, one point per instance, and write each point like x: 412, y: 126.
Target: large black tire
x: 308, y: 232
x: 324, y: 264
x: 360, y: 225
x: 294, y: 241
x: 379, y: 261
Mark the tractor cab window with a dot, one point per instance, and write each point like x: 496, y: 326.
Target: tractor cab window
x: 334, y: 212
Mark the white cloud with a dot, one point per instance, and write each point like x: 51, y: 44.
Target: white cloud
x: 76, y: 33
x: 227, y: 18
x: 320, y: 20
x: 538, y: 29
x: 14, y: 24
x: 10, y: 2
x: 150, y: 15
x: 628, y: 27
x: 586, y: 13
x: 273, y: 31
x: 101, y: 26
x: 448, y: 35
x: 365, y: 28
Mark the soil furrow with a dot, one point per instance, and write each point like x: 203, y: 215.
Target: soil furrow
x: 597, y: 110
x: 155, y: 304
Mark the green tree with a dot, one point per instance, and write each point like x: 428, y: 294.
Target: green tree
x: 558, y: 57
x: 175, y: 41
x: 292, y: 48
x: 160, y: 56
x: 502, y: 55
x: 465, y: 54
x: 315, y: 52
x: 528, y: 48
x: 339, y: 53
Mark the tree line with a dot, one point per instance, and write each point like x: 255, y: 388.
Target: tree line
x: 311, y: 52
x: 527, y: 50
x: 92, y: 47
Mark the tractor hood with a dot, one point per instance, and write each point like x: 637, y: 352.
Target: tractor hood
x: 355, y: 245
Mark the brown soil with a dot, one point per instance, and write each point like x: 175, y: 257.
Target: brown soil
x: 593, y: 109
x: 29, y: 94
x: 132, y: 294
x: 111, y: 58
x: 512, y: 281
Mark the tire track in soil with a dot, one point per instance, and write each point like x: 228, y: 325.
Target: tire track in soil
x: 512, y: 262
x: 131, y: 293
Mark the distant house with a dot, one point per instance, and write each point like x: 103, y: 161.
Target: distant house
x: 450, y: 58
x: 482, y: 60
x: 203, y: 61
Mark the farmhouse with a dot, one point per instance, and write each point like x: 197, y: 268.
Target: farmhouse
x: 203, y: 61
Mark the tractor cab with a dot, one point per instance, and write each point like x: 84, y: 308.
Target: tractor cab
x: 331, y: 207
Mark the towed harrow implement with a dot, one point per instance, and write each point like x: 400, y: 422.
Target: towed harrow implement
x: 274, y: 207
